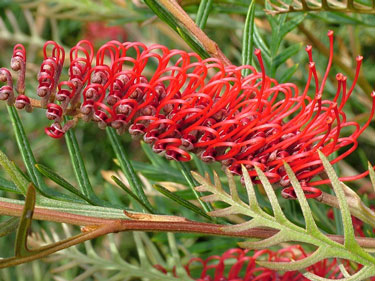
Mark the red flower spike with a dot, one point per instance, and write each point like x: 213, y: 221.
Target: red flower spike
x: 204, y: 107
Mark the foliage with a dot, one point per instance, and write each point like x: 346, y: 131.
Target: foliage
x: 105, y: 183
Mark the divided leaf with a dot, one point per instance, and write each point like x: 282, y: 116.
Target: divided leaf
x: 287, y: 231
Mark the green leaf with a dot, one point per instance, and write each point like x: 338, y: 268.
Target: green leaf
x: 131, y: 194
x: 349, y: 242
x: 372, y: 175
x: 286, y: 54
x: 259, y: 42
x: 309, y: 220
x: 291, y: 24
x: 181, y: 201
x: 29, y: 159
x: 8, y: 185
x: 201, y: 166
x: 288, y: 231
x: 248, y: 38
x: 14, y: 174
x: 202, y: 14
x: 9, y: 226
x: 20, y: 247
x: 285, y: 77
x: 155, y: 159
x: 253, y: 202
x: 276, y: 239
x: 175, y: 24
x: 192, y: 184
x: 62, y: 182
x: 181, y: 272
x: 278, y: 213
x: 315, y: 257
x: 363, y: 274
x: 27, y: 154
x: 280, y: 27
x: 158, y: 173
x: 79, y: 166
x: 127, y: 167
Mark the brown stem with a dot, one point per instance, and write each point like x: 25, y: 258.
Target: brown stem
x: 362, y: 82
x: 210, y: 46
x: 357, y: 207
x: 118, y: 225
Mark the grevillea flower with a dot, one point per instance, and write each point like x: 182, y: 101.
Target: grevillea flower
x: 240, y: 265
x: 187, y: 104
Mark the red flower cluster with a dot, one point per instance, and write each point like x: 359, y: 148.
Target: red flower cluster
x: 187, y: 104
x: 240, y: 265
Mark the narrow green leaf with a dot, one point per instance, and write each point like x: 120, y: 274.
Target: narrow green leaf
x: 181, y: 201
x: 131, y: 194
x: 217, y: 181
x: 62, y: 182
x: 175, y: 24
x: 278, y: 213
x: 372, y: 175
x: 291, y: 24
x: 26, y: 176
x: 157, y: 173
x: 202, y: 14
x: 309, y: 220
x: 285, y: 77
x: 336, y: 212
x: 253, y: 202
x: 142, y: 253
x: 255, y: 222
x: 181, y: 272
x: 224, y: 212
x: 365, y: 273
x: 21, y: 181
x: 248, y: 38
x: 201, y: 166
x: 155, y: 159
x: 127, y: 167
x: 343, y: 270
x: 26, y: 152
x: 9, y: 226
x: 278, y: 238
x: 14, y: 174
x: 74, y: 208
x: 286, y: 54
x: 20, y: 247
x: 192, y: 184
x: 8, y: 185
x: 350, y: 242
x: 259, y: 42
x: 232, y: 186
x: 79, y: 165
x: 315, y: 257
x: 154, y: 255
